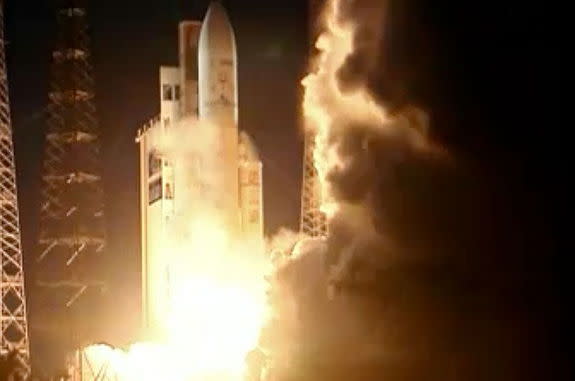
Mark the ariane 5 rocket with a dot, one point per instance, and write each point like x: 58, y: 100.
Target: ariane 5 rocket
x: 203, y: 86
x: 218, y: 105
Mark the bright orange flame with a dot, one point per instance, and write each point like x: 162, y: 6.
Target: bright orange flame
x: 218, y: 303
x: 215, y: 324
x: 217, y: 309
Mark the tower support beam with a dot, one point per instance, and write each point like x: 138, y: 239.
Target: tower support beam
x: 312, y: 220
x: 70, y: 247
x: 13, y: 317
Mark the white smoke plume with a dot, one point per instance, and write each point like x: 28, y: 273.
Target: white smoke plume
x: 321, y: 326
x: 204, y: 250
x: 188, y: 147
x: 282, y: 244
x: 208, y: 293
x: 398, y: 288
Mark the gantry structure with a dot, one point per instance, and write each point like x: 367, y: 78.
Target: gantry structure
x: 72, y: 239
x: 13, y: 318
x: 312, y: 219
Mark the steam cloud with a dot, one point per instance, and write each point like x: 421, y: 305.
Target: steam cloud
x: 198, y: 237
x: 209, y: 306
x: 410, y: 283
x: 187, y: 147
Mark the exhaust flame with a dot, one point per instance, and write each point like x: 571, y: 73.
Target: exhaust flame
x: 217, y: 306
x: 216, y: 295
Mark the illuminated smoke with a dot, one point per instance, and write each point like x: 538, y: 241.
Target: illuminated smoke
x: 395, y: 289
x: 188, y: 147
x: 358, y: 143
x: 216, y: 295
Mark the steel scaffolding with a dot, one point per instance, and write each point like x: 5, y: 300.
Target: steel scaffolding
x: 13, y: 320
x: 72, y: 233
x: 312, y: 219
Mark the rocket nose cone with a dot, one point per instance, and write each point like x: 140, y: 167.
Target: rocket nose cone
x: 217, y: 18
x: 217, y: 34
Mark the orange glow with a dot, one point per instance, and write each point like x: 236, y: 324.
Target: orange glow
x: 216, y: 310
x: 324, y: 103
x: 218, y: 304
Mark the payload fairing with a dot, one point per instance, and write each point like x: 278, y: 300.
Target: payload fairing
x: 218, y: 100
x: 203, y: 87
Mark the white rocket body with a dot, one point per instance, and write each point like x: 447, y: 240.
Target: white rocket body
x: 218, y: 106
x: 227, y: 176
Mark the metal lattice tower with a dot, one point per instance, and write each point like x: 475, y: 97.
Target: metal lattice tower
x: 72, y: 234
x: 313, y: 220
x: 13, y: 320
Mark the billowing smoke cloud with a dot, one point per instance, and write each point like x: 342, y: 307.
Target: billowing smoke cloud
x: 188, y: 147
x: 198, y: 239
x: 205, y: 285
x: 409, y: 283
x: 197, y: 185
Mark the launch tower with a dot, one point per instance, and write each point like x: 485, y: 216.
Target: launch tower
x: 71, y: 238
x: 313, y: 221
x: 13, y: 324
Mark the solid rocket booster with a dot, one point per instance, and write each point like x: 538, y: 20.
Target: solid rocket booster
x: 218, y: 104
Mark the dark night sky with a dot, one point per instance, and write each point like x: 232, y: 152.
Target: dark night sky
x: 485, y: 69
